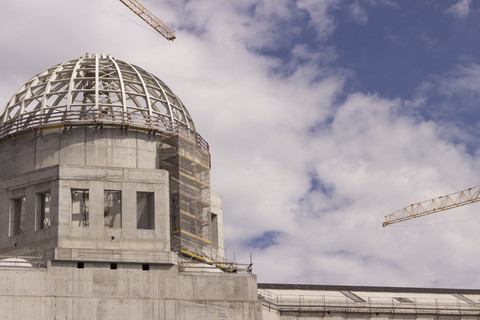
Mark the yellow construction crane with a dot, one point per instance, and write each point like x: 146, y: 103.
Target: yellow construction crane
x: 150, y: 18
x: 439, y: 204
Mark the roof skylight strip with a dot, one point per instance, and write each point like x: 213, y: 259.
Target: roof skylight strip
x: 463, y: 298
x: 352, y: 296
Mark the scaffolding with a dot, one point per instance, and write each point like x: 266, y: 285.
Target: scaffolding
x: 188, y: 164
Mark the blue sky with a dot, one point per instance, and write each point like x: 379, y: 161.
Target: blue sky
x: 323, y: 116
x: 398, y: 48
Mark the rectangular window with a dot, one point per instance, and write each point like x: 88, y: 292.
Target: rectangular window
x: 17, y: 216
x: 145, y: 211
x: 43, y: 218
x: 80, y: 207
x: 112, y: 208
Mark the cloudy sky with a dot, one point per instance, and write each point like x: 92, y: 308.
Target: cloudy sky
x: 323, y: 116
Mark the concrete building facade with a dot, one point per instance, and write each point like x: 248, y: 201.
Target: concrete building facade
x: 108, y: 212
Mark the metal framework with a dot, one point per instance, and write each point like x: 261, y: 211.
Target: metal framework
x: 439, y: 204
x: 94, y: 87
x: 189, y: 174
x: 150, y: 18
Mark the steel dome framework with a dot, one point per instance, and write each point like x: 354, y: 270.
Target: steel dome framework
x: 95, y: 89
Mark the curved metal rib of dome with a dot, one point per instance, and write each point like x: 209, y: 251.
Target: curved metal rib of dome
x: 95, y: 89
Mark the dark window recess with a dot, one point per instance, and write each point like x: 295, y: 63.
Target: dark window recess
x: 113, y: 266
x: 80, y: 207
x: 80, y: 265
x: 112, y: 209
x: 145, y: 211
x: 17, y: 218
x: 145, y: 267
x: 352, y: 296
x: 405, y: 300
x: 43, y: 212
x: 214, y: 228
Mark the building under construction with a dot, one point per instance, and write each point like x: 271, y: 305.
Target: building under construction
x: 106, y: 191
x: 111, y: 106
x: 107, y: 213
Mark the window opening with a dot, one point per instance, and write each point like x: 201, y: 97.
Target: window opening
x: 145, y: 267
x: 112, y: 209
x: 43, y: 212
x: 17, y: 216
x: 113, y: 266
x: 402, y: 299
x: 80, y: 216
x: 145, y: 210
x: 80, y: 265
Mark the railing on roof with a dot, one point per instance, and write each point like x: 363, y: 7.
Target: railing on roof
x: 22, y: 262
x: 197, y: 262
x: 305, y: 303
x: 154, y: 124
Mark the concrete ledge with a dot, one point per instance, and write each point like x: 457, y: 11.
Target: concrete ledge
x: 125, y: 256
x: 22, y: 180
x: 64, y: 291
x: 113, y: 174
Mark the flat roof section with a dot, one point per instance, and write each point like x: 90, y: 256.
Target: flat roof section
x: 283, y: 286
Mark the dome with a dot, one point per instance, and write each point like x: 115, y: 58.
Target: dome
x: 95, y: 88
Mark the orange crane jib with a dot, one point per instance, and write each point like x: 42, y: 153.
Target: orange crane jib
x: 442, y: 203
x: 150, y: 18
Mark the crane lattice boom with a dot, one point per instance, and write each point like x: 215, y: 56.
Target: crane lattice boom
x: 442, y: 203
x: 150, y: 18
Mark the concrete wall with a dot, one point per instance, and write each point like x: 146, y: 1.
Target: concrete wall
x: 129, y: 182
x: 28, y: 185
x: 100, y: 241
x: 217, y: 209
x: 96, y: 271
x: 58, y: 161
x: 63, y: 291
x: 83, y: 146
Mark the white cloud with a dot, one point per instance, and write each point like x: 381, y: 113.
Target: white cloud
x: 374, y: 161
x: 389, y: 3
x: 358, y: 13
x: 463, y: 78
x: 461, y: 9
x: 319, y: 15
x: 451, y: 99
